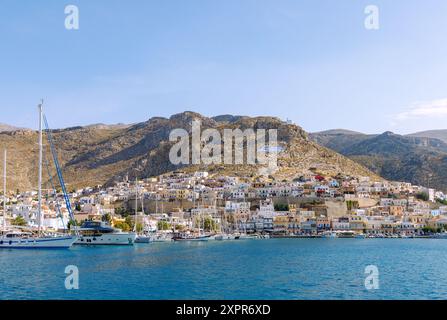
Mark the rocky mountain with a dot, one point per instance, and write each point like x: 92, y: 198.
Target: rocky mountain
x: 436, y: 134
x: 339, y: 131
x: 102, y: 154
x: 338, y: 139
x: 413, y: 158
x: 226, y: 118
x: 107, y: 126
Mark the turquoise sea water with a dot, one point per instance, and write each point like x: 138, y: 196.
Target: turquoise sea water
x: 245, y: 269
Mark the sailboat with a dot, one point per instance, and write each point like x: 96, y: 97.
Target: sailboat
x: 141, y: 238
x: 4, y: 194
x: 224, y: 233
x: 16, y: 239
x: 191, y: 237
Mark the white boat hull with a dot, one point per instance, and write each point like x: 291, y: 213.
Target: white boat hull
x: 201, y: 238
x: 143, y: 239
x: 38, y: 243
x: 329, y: 235
x: 248, y: 237
x: 222, y: 237
x: 161, y: 239
x: 107, y: 239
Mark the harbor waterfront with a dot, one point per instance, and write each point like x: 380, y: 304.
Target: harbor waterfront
x: 245, y: 269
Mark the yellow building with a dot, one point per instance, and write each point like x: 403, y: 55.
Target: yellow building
x: 281, y: 224
x: 396, y: 210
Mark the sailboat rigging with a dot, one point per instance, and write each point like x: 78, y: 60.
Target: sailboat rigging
x: 20, y: 239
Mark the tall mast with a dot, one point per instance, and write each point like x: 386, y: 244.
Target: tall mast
x: 142, y: 202
x: 40, y: 166
x: 136, y: 204
x: 156, y: 200
x: 4, y: 193
x: 142, y: 210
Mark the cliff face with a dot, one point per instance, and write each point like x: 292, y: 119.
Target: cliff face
x: 101, y: 154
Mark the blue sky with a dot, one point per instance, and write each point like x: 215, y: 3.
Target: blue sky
x: 309, y: 61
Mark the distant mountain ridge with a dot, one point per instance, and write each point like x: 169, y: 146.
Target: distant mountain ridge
x: 436, y: 134
x: 339, y: 132
x: 414, y: 158
x: 7, y: 128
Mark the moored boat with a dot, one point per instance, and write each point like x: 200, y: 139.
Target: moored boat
x: 26, y: 240
x: 329, y: 234
x: 100, y: 233
x: 245, y: 236
x: 162, y: 237
x: 192, y: 237
x: 346, y: 234
x: 226, y: 236
x: 441, y: 235
x: 142, y: 239
x: 17, y: 239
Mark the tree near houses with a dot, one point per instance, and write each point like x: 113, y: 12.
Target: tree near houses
x: 107, y: 218
x: 163, y: 225
x: 210, y: 224
x: 352, y: 204
x: 19, y: 221
x: 123, y: 226
x: 422, y: 196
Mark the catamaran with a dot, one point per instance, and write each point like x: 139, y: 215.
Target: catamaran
x: 14, y: 239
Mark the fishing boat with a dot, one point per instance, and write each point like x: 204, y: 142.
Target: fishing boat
x: 346, y: 234
x: 100, y: 233
x: 14, y: 239
x: 192, y: 237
